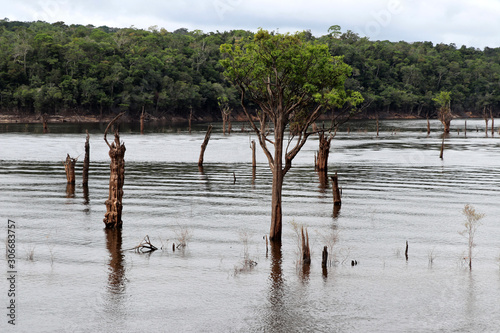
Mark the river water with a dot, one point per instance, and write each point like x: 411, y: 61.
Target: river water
x: 73, y: 276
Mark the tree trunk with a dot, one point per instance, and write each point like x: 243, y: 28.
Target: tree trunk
x: 69, y: 166
x: 337, y: 201
x: 113, y: 216
x: 428, y: 126
x: 377, y: 125
x: 86, y: 161
x: 204, y: 145
x: 278, y: 175
x: 446, y: 125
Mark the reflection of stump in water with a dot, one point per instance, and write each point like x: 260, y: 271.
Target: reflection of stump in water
x: 113, y: 216
x: 336, y: 211
x: 69, y: 167
x: 116, y: 278
x: 323, y: 181
x: 70, y: 190
x: 86, y: 199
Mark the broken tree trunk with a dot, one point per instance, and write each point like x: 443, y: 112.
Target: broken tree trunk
x: 337, y: 201
x: 442, y: 149
x: 113, y: 216
x: 204, y: 145
x: 44, y: 121
x: 86, y: 161
x: 306, y: 252
x: 324, y: 257
x: 323, y: 152
x: 69, y: 166
x: 142, y: 121
x: 254, y: 162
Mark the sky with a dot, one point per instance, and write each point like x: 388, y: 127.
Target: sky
x: 462, y: 22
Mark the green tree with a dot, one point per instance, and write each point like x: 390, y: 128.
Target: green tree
x: 443, y: 99
x: 293, y: 82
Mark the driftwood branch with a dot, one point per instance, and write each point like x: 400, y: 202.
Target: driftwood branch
x: 109, y: 125
x: 145, y: 246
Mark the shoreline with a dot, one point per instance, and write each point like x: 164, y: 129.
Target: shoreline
x: 21, y: 118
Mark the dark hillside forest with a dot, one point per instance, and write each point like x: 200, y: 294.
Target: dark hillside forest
x: 56, y: 68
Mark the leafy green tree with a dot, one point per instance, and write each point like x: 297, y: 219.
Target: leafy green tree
x: 443, y: 99
x: 293, y: 82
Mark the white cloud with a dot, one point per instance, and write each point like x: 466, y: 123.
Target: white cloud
x: 459, y: 21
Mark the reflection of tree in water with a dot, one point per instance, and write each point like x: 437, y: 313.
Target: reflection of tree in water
x: 280, y: 315
x: 116, y: 278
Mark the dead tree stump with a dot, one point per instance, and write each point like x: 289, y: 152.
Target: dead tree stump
x: 442, y: 149
x: 428, y: 126
x: 337, y: 201
x: 44, y: 121
x: 254, y: 162
x: 306, y: 252
x: 323, y: 152
x: 142, y: 121
x: 86, y: 161
x: 69, y: 166
x: 204, y: 145
x: 113, y: 216
x: 324, y: 257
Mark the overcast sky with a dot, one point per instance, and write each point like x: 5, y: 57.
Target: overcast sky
x: 463, y: 22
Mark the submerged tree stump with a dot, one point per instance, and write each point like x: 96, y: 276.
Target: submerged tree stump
x: 86, y: 161
x: 69, y: 166
x: 204, y: 145
x: 324, y: 257
x: 113, y: 216
x: 44, y: 121
x: 306, y: 252
x: 254, y: 162
x: 142, y: 121
x: 337, y: 201
x: 323, y: 152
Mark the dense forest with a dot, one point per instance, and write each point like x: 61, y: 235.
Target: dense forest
x: 53, y: 68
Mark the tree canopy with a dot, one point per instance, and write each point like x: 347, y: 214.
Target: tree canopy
x: 292, y: 81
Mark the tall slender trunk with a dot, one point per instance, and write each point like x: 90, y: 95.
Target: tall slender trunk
x: 278, y: 175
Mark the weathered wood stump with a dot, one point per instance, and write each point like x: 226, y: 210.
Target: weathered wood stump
x: 324, y: 257
x: 69, y: 166
x: 254, y: 161
x: 142, y: 121
x: 337, y: 200
x: 204, y: 145
x: 113, y: 216
x: 323, y: 152
x: 306, y: 252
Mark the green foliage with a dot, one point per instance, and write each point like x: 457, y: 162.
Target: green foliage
x: 173, y: 71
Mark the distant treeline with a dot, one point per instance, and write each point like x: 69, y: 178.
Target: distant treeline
x: 50, y: 68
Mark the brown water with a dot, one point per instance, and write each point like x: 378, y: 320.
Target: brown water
x: 395, y: 188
